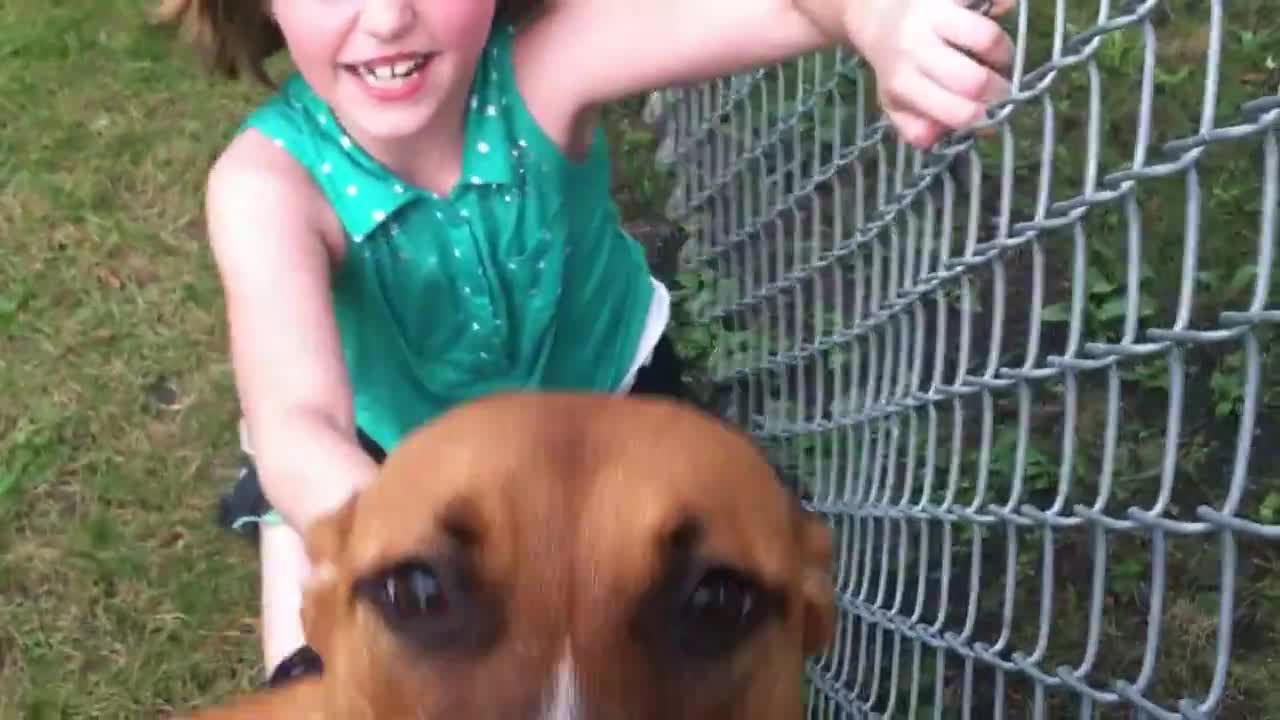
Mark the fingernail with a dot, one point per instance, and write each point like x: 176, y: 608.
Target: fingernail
x: 982, y: 7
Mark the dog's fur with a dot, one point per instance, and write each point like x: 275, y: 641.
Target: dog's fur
x: 567, y: 530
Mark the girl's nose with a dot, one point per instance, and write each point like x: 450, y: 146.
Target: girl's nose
x: 387, y: 19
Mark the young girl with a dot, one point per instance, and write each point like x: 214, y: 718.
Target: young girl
x: 419, y: 214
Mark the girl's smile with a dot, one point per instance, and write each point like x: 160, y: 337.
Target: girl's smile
x: 392, y: 78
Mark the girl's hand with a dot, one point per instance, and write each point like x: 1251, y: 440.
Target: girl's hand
x: 935, y: 61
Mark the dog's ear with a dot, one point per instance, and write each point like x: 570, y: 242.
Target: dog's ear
x: 814, y: 547
x: 325, y: 540
x: 816, y: 582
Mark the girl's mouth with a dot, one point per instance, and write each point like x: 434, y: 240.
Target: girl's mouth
x: 392, y: 78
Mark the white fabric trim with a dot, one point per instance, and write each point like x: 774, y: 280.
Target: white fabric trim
x: 655, y: 325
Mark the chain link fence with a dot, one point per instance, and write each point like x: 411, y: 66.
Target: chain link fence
x: 1028, y: 375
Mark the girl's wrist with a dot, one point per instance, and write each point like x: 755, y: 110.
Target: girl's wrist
x: 335, y: 469
x: 830, y: 17
x: 852, y: 23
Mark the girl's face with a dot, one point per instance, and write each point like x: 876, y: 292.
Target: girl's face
x: 385, y: 66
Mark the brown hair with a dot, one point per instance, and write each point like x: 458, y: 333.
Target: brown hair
x: 234, y: 37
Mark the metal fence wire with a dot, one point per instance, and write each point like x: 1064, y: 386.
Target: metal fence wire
x: 1025, y: 375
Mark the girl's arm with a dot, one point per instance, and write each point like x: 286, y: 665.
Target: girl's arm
x: 266, y: 229
x: 617, y: 48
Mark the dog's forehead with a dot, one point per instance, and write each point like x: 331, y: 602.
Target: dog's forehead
x: 689, y: 474
x: 464, y: 472
x: 609, y: 470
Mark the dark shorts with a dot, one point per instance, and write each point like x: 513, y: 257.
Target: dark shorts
x: 244, y: 504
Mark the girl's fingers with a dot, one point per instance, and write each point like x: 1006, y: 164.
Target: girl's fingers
x: 946, y: 68
x: 910, y: 90
x: 1000, y: 7
x: 961, y: 74
x: 990, y: 8
x: 974, y: 33
x: 914, y: 129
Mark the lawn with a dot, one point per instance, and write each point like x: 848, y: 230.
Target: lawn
x: 118, y: 595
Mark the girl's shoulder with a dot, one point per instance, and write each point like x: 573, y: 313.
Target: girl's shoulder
x: 256, y: 182
x: 294, y: 136
x: 511, y: 88
x: 297, y: 121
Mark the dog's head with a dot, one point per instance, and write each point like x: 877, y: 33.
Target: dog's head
x: 550, y: 556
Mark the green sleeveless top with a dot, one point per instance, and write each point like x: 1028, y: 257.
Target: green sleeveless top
x: 521, y: 277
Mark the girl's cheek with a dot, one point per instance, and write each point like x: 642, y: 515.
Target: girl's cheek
x: 315, y: 24
x: 460, y: 23
x: 313, y: 40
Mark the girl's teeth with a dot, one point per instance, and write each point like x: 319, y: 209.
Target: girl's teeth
x: 394, y: 71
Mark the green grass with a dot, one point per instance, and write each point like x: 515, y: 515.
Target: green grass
x: 118, y: 595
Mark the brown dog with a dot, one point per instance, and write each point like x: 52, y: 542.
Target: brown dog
x: 556, y: 556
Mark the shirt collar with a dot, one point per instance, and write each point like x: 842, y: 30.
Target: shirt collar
x: 490, y: 153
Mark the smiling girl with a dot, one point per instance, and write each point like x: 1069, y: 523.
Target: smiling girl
x: 419, y: 214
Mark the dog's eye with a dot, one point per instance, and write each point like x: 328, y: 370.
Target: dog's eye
x: 433, y: 606
x: 720, y: 610
x: 412, y: 590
